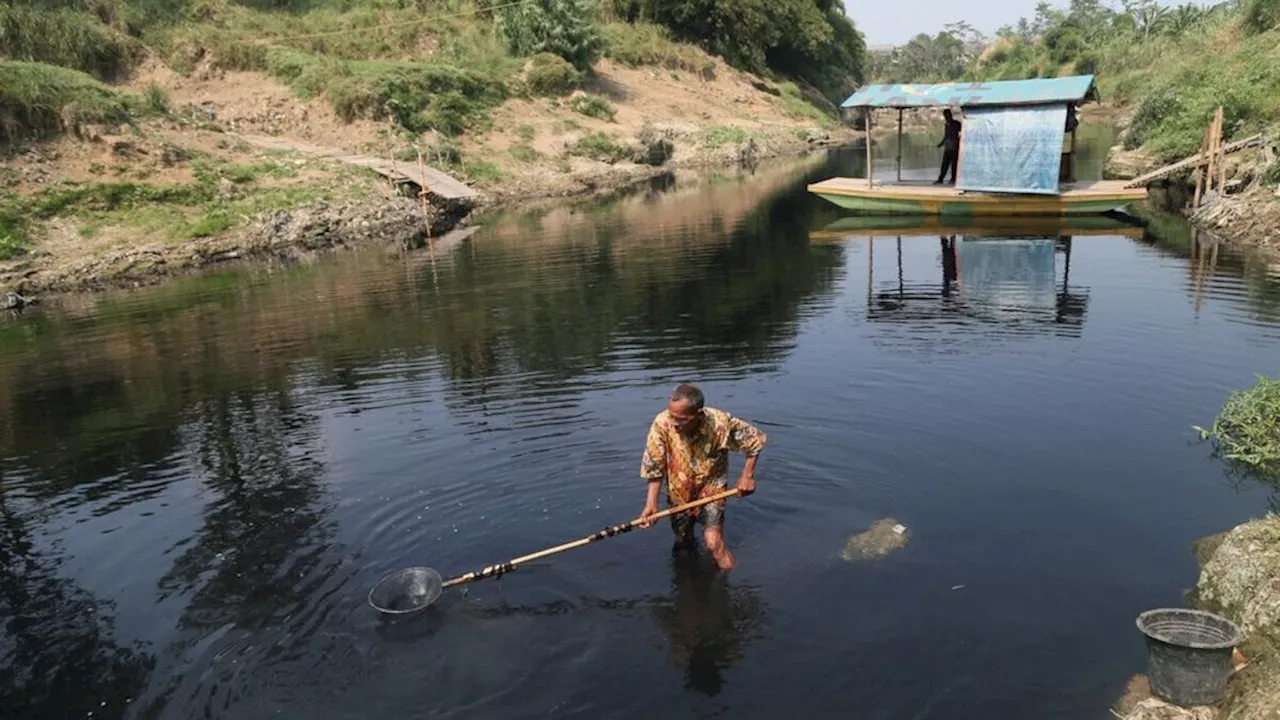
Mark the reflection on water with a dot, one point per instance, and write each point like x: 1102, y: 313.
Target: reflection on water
x: 707, y: 621
x: 1011, y: 283
x: 61, y: 656
x: 201, y: 481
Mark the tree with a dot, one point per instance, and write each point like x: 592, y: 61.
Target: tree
x: 567, y: 28
x: 810, y: 40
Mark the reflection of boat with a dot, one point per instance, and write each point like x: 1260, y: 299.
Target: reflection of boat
x: 1002, y: 282
x: 1011, y: 160
x: 1015, y: 226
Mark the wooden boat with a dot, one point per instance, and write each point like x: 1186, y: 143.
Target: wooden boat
x: 1011, y: 159
x: 908, y: 198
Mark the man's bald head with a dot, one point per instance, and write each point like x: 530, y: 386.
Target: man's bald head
x: 685, y: 407
x: 689, y: 395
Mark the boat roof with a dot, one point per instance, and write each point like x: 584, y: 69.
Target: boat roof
x: 1077, y: 89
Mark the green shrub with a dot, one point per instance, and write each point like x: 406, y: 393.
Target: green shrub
x: 1153, y: 108
x: 1087, y: 64
x: 1247, y: 428
x: 417, y: 96
x: 567, y: 28
x: 1260, y: 15
x: 549, y: 74
x: 525, y: 154
x: 599, y: 146
x: 64, y: 37
x: 796, y: 104
x: 1271, y: 176
x: 212, y: 223
x: 157, y: 99
x: 644, y: 44
x: 718, y: 136
x: 482, y: 171
x: 14, y: 236
x: 526, y: 132
x: 38, y: 100
x: 592, y: 106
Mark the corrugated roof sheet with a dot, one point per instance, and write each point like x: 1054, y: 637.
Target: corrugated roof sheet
x: 973, y: 94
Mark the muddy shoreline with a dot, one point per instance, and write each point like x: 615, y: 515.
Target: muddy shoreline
x: 297, y: 234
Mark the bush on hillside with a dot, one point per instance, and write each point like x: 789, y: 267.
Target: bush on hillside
x: 549, y: 74
x: 1271, y: 176
x: 64, y: 37
x: 38, y: 100
x: 1260, y: 15
x: 593, y: 106
x: 567, y: 28
x: 811, y: 40
x: 602, y: 147
x: 418, y: 96
x: 644, y: 43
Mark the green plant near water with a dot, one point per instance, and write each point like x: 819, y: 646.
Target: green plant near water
x: 14, y: 232
x: 1247, y: 428
x: 718, y: 136
x: 600, y: 146
x: 593, y: 106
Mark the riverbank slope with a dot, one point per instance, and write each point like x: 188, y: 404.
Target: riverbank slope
x: 214, y: 143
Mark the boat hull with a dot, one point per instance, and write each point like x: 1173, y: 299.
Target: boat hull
x: 889, y: 199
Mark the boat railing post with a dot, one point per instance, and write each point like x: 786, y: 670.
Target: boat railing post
x: 899, y: 144
x: 867, y: 125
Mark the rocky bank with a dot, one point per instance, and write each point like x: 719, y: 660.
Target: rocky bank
x: 1239, y: 580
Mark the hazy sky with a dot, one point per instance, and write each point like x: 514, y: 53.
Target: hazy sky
x: 894, y: 22
x: 898, y: 21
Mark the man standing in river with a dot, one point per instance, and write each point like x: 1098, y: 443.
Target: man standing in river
x: 689, y: 446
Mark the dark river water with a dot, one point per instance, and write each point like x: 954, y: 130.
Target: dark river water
x: 202, y: 481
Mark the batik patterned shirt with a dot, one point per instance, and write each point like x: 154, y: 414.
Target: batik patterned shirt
x: 698, y: 465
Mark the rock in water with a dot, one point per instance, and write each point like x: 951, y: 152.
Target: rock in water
x: 1241, y: 580
x: 14, y: 301
x: 884, y: 537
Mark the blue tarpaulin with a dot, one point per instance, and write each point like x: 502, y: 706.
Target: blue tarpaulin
x: 1076, y: 89
x: 1012, y: 149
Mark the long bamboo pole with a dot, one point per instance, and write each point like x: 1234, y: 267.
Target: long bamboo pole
x: 508, y: 566
x: 1222, y: 159
x: 1201, y: 172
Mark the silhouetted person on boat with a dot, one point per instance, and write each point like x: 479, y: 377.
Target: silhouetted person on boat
x: 688, y: 446
x: 950, y: 147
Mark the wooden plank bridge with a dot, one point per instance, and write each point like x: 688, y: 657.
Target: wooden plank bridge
x: 1195, y: 161
x: 428, y: 178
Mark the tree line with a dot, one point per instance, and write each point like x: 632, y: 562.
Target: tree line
x: 1054, y: 40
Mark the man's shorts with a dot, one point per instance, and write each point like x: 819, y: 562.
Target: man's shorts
x: 710, y: 515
